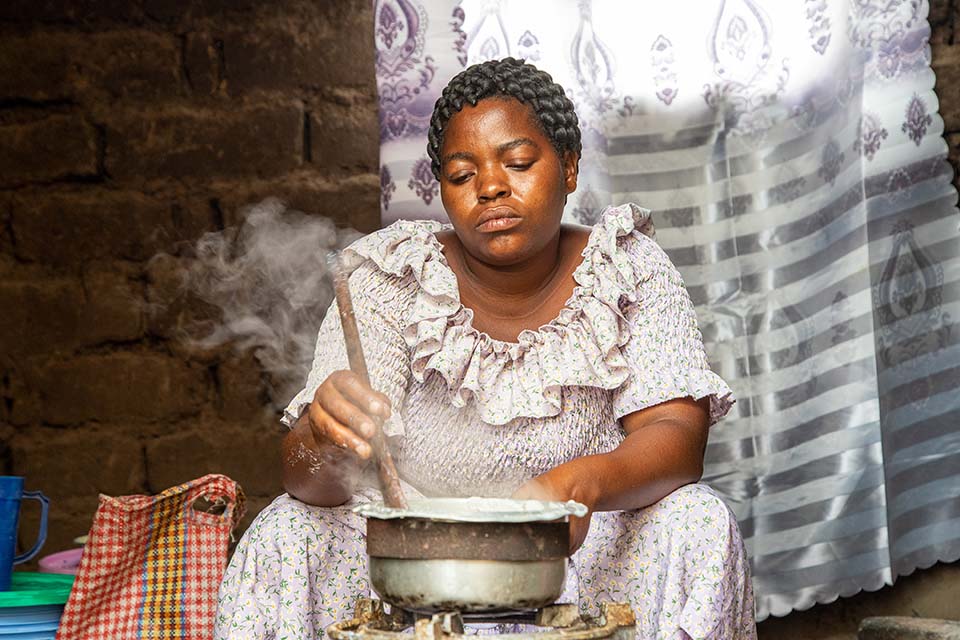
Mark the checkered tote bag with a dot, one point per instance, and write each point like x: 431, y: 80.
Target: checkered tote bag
x: 152, y: 564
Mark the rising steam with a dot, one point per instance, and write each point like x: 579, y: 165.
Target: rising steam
x: 269, y: 279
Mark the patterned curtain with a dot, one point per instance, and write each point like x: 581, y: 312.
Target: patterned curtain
x: 792, y: 154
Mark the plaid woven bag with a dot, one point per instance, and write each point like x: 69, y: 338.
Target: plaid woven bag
x: 152, y: 564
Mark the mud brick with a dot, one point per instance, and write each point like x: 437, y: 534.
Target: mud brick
x: 129, y: 65
x: 119, y: 387
x: 953, y: 152
x: 80, y: 462
x: 173, y: 312
x: 248, y: 454
x: 946, y: 64
x: 35, y: 67
x: 57, y: 147
x: 353, y: 202
x: 115, y: 305
x: 200, y: 144
x: 240, y: 388
x: 48, y: 66
x: 71, y: 228
x: 39, y: 316
x: 302, y: 46
x: 59, y: 314
x: 345, y: 137
x: 201, y: 63
x: 84, y: 13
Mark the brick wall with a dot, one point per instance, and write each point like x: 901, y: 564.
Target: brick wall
x: 129, y: 128
x: 132, y: 126
x: 945, y: 45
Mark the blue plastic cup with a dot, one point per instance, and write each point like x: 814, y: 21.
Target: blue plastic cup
x: 11, y: 494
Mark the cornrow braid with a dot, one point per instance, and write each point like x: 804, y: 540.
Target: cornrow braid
x: 512, y: 78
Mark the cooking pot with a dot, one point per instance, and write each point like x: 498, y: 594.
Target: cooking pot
x: 469, y: 554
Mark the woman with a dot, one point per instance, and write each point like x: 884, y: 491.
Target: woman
x: 509, y: 354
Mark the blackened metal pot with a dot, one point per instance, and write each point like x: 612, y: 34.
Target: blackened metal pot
x: 470, y: 554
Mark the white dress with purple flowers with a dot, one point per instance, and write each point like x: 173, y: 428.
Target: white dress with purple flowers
x: 478, y: 416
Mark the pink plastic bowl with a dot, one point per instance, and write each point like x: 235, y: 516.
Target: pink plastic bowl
x: 62, y: 562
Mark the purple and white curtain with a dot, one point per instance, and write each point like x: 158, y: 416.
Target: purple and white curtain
x: 793, y: 156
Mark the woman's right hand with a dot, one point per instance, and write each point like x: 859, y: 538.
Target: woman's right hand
x: 346, y: 412
x: 328, y: 448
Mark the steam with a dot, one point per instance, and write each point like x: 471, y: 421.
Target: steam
x: 270, y: 281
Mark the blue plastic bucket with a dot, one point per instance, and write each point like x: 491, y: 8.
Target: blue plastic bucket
x: 31, y: 609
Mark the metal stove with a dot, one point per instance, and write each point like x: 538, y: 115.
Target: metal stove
x: 372, y: 622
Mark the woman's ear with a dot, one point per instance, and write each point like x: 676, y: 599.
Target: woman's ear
x: 571, y: 167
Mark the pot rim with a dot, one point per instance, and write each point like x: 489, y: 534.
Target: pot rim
x: 475, y: 509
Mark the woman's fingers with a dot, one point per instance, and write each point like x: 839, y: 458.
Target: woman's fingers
x: 327, y: 428
x: 359, y: 393
x: 345, y: 411
x: 347, y: 414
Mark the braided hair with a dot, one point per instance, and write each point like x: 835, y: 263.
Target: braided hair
x: 509, y: 78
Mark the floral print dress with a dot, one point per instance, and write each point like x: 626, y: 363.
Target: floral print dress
x: 477, y: 416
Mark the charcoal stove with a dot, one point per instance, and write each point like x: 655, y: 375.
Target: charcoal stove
x: 372, y: 621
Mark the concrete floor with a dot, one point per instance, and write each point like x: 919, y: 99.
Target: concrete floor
x: 927, y: 593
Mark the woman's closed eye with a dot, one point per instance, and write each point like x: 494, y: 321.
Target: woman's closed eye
x: 460, y: 178
x: 520, y: 165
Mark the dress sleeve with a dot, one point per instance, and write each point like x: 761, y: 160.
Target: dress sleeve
x: 665, y: 351
x: 380, y: 302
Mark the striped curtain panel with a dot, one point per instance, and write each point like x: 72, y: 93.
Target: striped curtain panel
x: 793, y: 157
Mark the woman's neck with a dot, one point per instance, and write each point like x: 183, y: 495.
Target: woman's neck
x: 507, y: 300
x: 522, y: 281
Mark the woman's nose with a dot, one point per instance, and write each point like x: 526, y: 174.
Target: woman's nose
x: 493, y: 185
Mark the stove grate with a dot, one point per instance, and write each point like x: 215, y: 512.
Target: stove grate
x: 372, y: 622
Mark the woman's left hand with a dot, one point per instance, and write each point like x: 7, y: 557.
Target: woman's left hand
x: 556, y: 486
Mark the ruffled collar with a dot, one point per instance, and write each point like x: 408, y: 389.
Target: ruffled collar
x: 509, y: 380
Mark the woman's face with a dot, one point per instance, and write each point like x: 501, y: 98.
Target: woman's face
x: 502, y: 182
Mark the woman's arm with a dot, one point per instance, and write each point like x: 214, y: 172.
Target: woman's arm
x: 319, y: 474
x: 662, y: 452
x: 326, y: 452
x: 336, y: 413
x: 666, y: 428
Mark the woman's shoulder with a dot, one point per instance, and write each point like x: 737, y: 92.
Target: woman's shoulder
x: 625, y: 221
x: 624, y: 240
x: 397, y: 248
x: 405, y: 255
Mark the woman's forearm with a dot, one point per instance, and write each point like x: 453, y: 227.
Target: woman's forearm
x: 321, y: 475
x: 649, y: 464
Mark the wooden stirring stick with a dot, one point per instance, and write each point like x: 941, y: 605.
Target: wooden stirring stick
x: 386, y: 470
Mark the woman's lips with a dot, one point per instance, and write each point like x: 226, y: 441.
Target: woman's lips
x: 498, y: 219
x: 498, y: 224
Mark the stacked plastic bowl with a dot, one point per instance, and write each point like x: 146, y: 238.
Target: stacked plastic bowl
x: 31, y: 609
